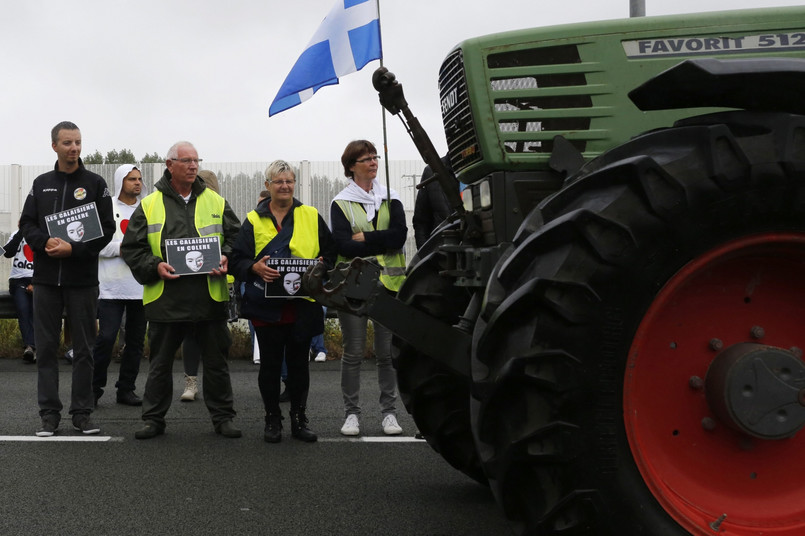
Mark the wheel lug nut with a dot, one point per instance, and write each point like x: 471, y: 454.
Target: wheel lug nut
x: 758, y: 332
x: 709, y: 424
x: 716, y: 344
x: 696, y: 383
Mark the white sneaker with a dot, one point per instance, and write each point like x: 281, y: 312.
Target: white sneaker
x: 390, y: 426
x: 351, y: 426
x: 320, y: 357
x: 190, y: 389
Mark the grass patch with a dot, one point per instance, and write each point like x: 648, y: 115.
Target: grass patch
x: 11, y: 341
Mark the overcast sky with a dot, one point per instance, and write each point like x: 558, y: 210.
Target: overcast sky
x: 142, y: 74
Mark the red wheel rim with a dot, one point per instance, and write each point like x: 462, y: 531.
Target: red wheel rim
x: 699, y: 473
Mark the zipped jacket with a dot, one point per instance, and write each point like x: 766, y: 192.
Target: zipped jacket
x: 54, y: 192
x: 186, y: 299
x: 311, y: 238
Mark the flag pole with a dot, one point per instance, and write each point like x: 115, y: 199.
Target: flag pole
x: 383, y: 112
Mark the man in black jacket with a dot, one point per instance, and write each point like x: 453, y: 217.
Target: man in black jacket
x: 66, y: 274
x: 431, y: 207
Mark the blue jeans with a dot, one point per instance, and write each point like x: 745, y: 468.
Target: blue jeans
x: 110, y: 315
x: 317, y: 343
x: 191, y: 355
x: 24, y: 302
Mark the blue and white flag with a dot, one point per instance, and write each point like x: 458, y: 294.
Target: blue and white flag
x: 348, y: 39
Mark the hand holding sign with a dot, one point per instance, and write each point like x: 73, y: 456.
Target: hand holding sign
x: 287, y: 283
x: 58, y: 248
x: 265, y: 272
x: 198, y: 255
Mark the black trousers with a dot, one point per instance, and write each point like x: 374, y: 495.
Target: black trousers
x: 79, y: 306
x: 277, y: 342
x: 165, y: 338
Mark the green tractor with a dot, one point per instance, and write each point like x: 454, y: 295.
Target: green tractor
x: 609, y: 329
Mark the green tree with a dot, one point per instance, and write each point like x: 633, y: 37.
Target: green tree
x: 124, y: 157
x: 152, y: 158
x: 95, y: 158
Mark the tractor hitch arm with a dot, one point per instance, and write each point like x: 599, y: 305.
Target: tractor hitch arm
x: 355, y: 288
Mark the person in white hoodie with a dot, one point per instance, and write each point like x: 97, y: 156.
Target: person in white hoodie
x: 120, y: 294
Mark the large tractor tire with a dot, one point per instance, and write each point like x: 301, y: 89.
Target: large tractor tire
x: 437, y: 398
x: 637, y: 366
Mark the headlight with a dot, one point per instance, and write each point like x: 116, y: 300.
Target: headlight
x: 466, y: 197
x: 486, y: 195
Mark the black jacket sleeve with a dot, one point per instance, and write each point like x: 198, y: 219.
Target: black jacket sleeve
x: 136, y: 251
x: 12, y: 245
x: 327, y: 248
x: 242, y: 255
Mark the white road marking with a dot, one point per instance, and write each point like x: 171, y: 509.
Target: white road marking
x: 375, y: 439
x: 105, y: 439
x: 36, y: 439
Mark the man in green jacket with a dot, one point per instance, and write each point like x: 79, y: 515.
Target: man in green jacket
x: 182, y: 207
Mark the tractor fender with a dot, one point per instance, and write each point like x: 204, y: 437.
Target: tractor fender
x: 758, y: 84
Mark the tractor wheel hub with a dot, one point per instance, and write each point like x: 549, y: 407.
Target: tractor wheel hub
x: 758, y: 390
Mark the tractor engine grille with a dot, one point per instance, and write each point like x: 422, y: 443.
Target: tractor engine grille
x: 531, y: 94
x: 459, y: 127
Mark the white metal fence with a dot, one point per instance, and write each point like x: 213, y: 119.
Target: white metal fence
x: 240, y: 183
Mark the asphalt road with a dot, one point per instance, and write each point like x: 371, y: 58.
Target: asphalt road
x: 193, y: 482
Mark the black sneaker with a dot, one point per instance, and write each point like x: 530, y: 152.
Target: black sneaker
x: 227, y: 429
x: 29, y: 355
x: 82, y: 423
x: 128, y: 398
x: 48, y: 428
x: 149, y: 430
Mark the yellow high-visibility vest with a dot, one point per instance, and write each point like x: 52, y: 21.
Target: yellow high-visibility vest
x: 393, y: 262
x: 304, y: 240
x: 209, y: 221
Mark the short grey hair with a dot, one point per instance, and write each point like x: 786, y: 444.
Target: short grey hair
x: 279, y: 166
x: 173, y: 152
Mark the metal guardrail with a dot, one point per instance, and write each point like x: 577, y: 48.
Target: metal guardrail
x: 9, y: 310
x: 7, y: 307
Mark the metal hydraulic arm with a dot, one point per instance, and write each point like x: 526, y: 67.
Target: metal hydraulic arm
x: 393, y: 100
x: 356, y: 288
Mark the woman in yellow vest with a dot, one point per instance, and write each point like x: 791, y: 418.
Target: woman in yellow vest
x: 281, y: 227
x: 368, y: 221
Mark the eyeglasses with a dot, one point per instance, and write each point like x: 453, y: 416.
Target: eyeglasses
x: 280, y: 183
x: 374, y: 158
x: 188, y: 161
